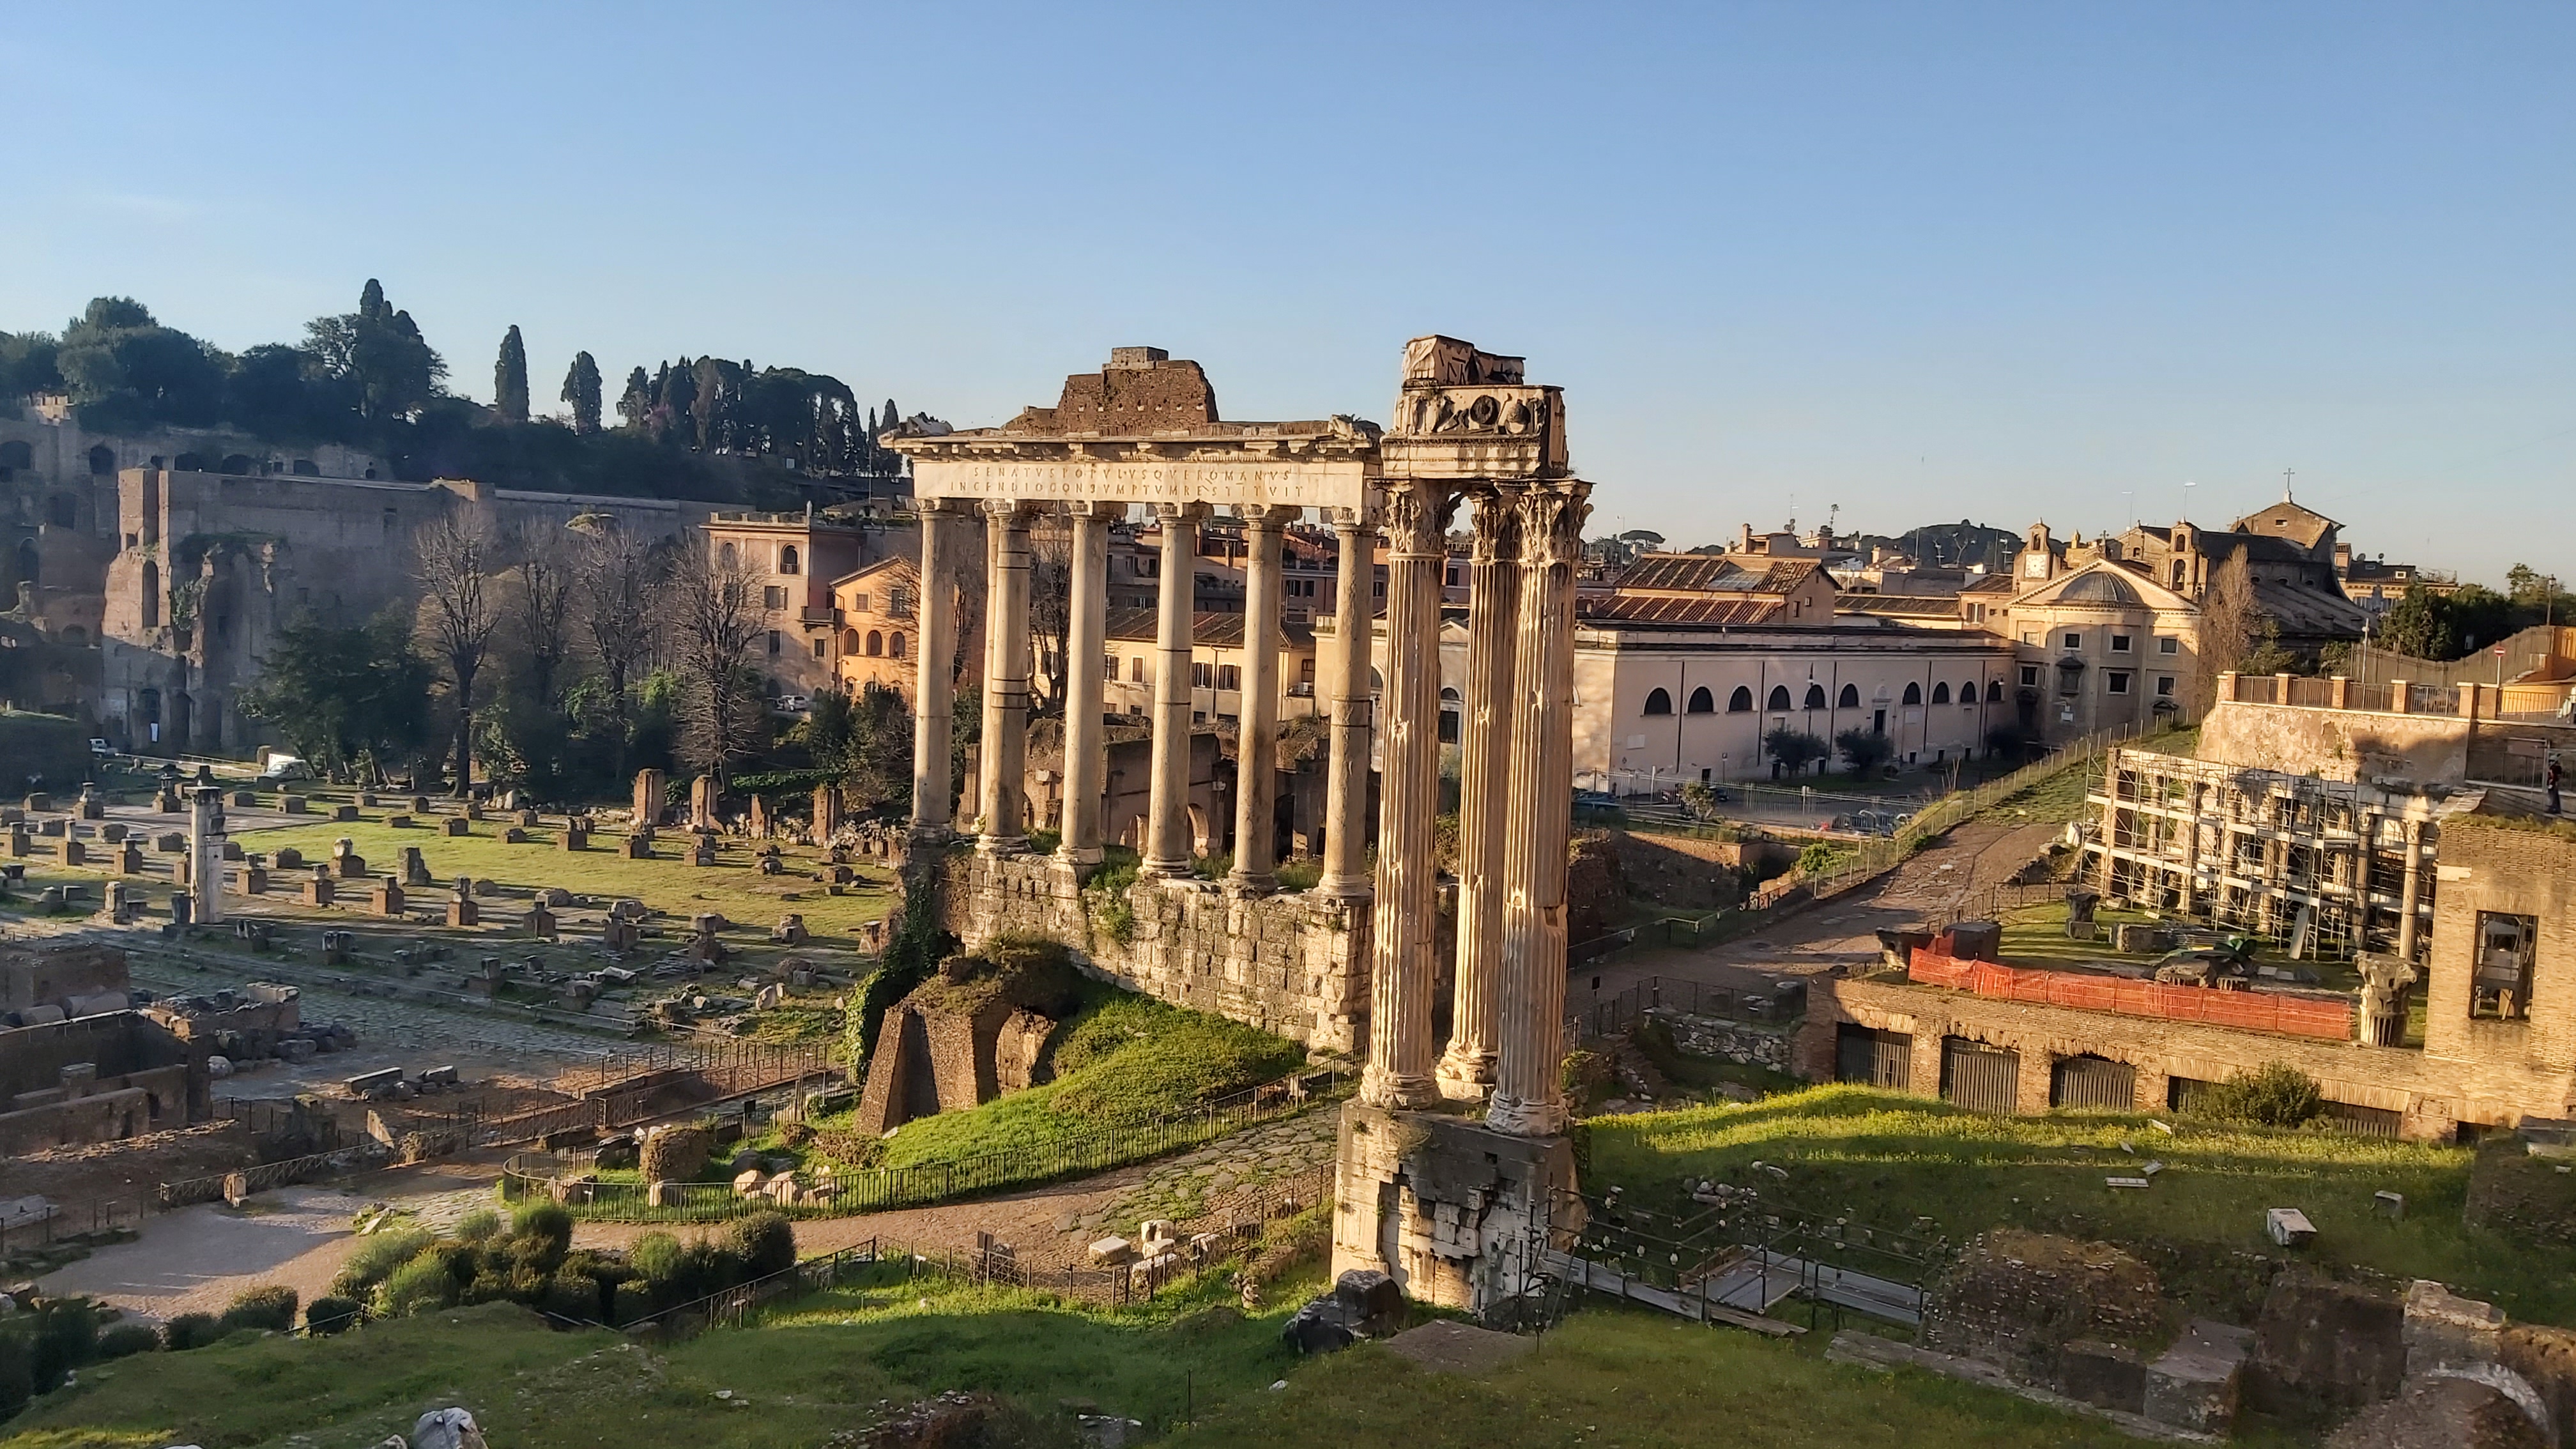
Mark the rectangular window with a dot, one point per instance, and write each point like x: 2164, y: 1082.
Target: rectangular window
x: 2030, y: 676
x: 2074, y: 641
x: 2168, y: 644
x: 773, y: 643
x: 818, y: 648
x: 2119, y: 681
x: 1136, y: 669
x: 773, y: 597
x: 859, y: 603
x: 2119, y: 643
x: 2030, y: 637
x: 1109, y: 667
x: 1229, y: 676
x: 1199, y: 676
x: 2500, y: 990
x: 2164, y: 686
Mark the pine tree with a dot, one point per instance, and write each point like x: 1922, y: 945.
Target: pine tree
x: 510, y: 378
x: 581, y: 389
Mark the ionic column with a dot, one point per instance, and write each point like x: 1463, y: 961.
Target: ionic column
x: 1346, y: 781
x: 1168, y: 846
x: 1005, y: 750
x: 1402, y: 972
x: 1086, y: 641
x: 934, y: 692
x: 1493, y: 617
x: 1528, y: 1098
x: 1256, y: 765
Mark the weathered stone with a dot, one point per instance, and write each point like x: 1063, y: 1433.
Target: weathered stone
x: 455, y: 825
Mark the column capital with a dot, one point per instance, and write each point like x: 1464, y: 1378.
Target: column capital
x: 1101, y: 508
x: 945, y: 507
x: 1180, y: 512
x: 1352, y: 520
x: 1551, y: 523
x: 1267, y: 519
x: 1417, y: 517
x: 1008, y: 510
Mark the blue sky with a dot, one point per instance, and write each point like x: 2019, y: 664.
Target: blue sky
x: 1925, y: 262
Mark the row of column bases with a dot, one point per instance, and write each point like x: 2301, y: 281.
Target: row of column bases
x: 1515, y: 739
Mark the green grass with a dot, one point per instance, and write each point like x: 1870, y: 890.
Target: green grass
x: 1885, y: 1159
x: 1123, y: 1057
x: 1638, y: 1381
x: 814, y: 1367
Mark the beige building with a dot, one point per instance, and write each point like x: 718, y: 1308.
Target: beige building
x: 1216, y: 666
x: 876, y: 618
x: 2098, y: 644
x: 791, y: 559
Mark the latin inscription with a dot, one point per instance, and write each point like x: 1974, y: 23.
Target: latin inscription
x: 1271, y: 484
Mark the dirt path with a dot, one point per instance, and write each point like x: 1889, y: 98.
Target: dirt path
x: 1965, y: 864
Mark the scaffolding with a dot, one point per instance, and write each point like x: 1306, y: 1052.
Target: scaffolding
x: 2325, y: 869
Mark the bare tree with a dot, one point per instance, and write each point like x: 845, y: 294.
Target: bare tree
x: 540, y: 610
x: 1050, y: 612
x: 2230, y: 618
x: 716, y: 616
x: 459, y: 609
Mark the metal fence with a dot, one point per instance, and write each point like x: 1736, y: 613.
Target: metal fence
x: 268, y: 1174
x: 572, y: 1177
x: 59, y: 1221
x: 1602, y: 1014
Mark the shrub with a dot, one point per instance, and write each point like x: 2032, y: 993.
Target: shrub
x: 631, y: 1303
x: 676, y: 1154
x: 327, y: 1315
x: 128, y: 1339
x: 763, y: 1243
x: 1821, y: 859
x: 17, y: 1374
x: 191, y: 1330
x: 2275, y: 1095
x: 480, y: 1225
x: 541, y: 1234
x: 572, y: 1295
x: 424, y: 1282
x: 374, y: 1259
x: 795, y: 1134
x: 656, y: 1256
x: 66, y: 1338
x: 270, y: 1306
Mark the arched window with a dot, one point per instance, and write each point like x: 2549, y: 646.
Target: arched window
x: 876, y: 644
x: 1658, y: 702
x: 1913, y: 693
x: 238, y: 465
x: 151, y: 594
x: 1779, y: 696
x: 1703, y: 702
x: 102, y: 461
x: 1850, y: 698
x: 1449, y: 696
x: 188, y: 463
x: 1940, y: 692
x: 850, y: 641
x: 1815, y: 696
x: 1967, y: 692
x: 725, y: 554
x: 787, y: 560
x: 1994, y: 691
x: 63, y: 511
x: 894, y: 646
x: 1741, y: 701
x: 27, y: 562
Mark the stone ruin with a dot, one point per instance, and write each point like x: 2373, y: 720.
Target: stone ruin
x: 976, y: 1029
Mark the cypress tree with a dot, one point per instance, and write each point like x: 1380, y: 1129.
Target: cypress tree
x: 581, y: 389
x: 510, y: 378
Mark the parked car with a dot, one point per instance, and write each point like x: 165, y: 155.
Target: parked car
x: 791, y: 704
x: 101, y: 749
x: 1595, y: 800
x: 282, y: 768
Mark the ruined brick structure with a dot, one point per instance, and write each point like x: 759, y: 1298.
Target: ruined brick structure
x: 85, y: 1068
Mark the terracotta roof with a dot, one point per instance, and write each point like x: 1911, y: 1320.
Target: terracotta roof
x: 1912, y: 606
x: 1215, y: 631
x: 1648, y: 609
x: 2311, y: 612
x: 1703, y: 573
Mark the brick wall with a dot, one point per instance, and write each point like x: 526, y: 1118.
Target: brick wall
x: 1295, y: 963
x: 2520, y: 872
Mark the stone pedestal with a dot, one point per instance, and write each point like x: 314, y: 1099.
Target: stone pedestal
x: 344, y: 813
x: 38, y: 801
x: 129, y: 859
x: 638, y: 847
x: 253, y: 880
x: 19, y: 846
x: 455, y: 825
x: 463, y: 912
x: 1453, y: 1210
x: 385, y: 897
x: 291, y: 805
x: 540, y: 923
x: 318, y: 890
x: 245, y: 798
x: 74, y: 853
x: 91, y: 807
x: 166, y: 802
x: 574, y: 837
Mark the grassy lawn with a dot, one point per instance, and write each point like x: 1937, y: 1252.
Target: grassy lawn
x: 814, y: 1367
x: 1636, y: 1380
x: 1886, y: 1159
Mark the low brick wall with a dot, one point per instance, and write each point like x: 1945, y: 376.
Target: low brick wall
x: 1295, y: 963
x: 1734, y: 1041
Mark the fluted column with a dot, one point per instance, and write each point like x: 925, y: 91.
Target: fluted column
x: 1485, y: 754
x: 1528, y: 1098
x: 1346, y: 781
x: 934, y: 693
x: 1086, y: 641
x: 1256, y: 766
x: 1401, y: 974
x: 1005, y: 750
x: 1168, y: 843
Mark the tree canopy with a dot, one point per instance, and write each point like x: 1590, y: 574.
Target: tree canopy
x: 510, y: 378
x: 344, y: 696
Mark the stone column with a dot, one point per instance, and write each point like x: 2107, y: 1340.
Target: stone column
x: 1005, y: 750
x: 2412, y: 895
x: 1528, y: 1098
x: 935, y: 688
x: 1169, y: 846
x: 205, y: 854
x: 1256, y: 769
x: 1346, y: 783
x: 1408, y: 888
x: 1493, y: 619
x: 1086, y: 759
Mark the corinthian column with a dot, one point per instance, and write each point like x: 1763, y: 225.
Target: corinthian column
x: 1086, y: 641
x: 1256, y: 766
x: 1401, y: 975
x: 1168, y: 844
x: 1006, y: 677
x: 934, y: 691
x: 1528, y: 1099
x: 1347, y: 770
x: 1493, y: 618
